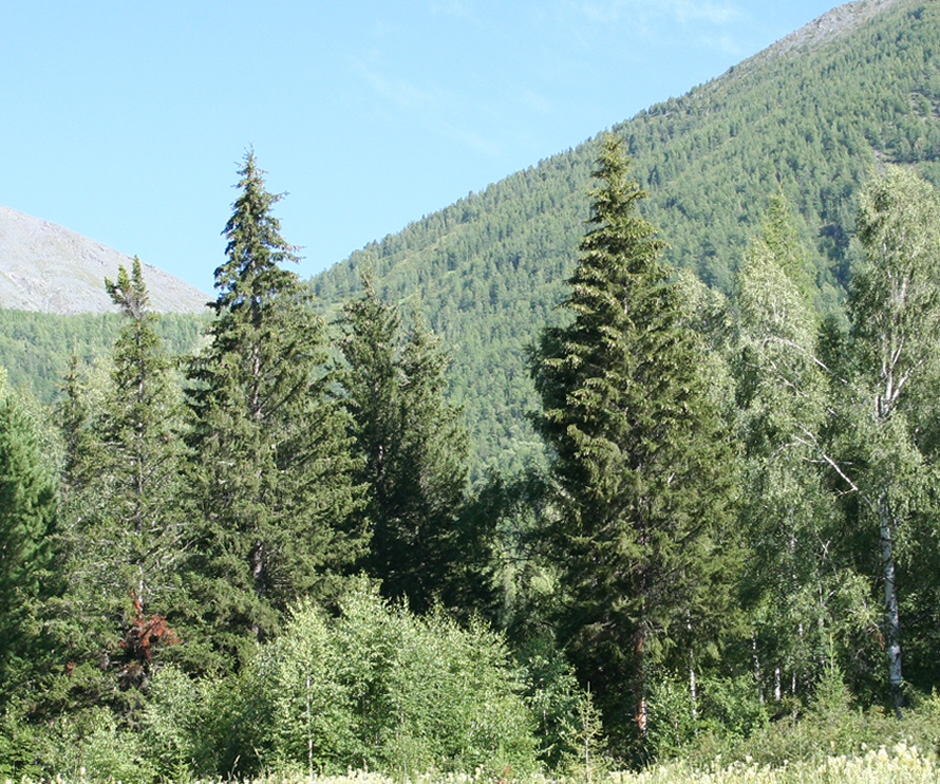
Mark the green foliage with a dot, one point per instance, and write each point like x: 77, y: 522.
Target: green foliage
x: 642, y: 465
x: 86, y: 745
x: 585, y: 760
x: 273, y: 473
x: 722, y: 712
x: 414, y: 451
x: 28, y: 522
x: 894, y: 343
x: 93, y: 748
x: 518, y: 590
x: 555, y: 700
x: 375, y: 688
x: 807, y: 603
x: 831, y: 726
x: 175, y: 724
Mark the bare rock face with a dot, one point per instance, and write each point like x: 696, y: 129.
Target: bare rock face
x: 47, y: 268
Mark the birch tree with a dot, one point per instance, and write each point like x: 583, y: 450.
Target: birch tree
x: 803, y: 599
x: 895, y: 339
x: 868, y: 439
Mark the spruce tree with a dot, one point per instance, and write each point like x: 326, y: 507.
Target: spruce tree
x: 141, y: 431
x: 434, y: 455
x: 27, y: 524
x: 414, y: 449
x: 126, y: 522
x: 273, y: 470
x: 641, y: 463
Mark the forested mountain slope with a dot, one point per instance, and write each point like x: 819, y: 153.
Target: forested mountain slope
x: 37, y: 348
x: 809, y: 117
x: 53, y: 302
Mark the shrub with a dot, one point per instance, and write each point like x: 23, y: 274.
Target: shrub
x: 380, y: 688
x: 726, y: 710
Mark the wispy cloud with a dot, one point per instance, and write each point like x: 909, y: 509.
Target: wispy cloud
x: 716, y: 12
x: 696, y: 11
x: 709, y: 24
x: 426, y: 104
x: 470, y: 138
x: 456, y: 8
x: 535, y: 102
x: 725, y: 43
x: 403, y: 93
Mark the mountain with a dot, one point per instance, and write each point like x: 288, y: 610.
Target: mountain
x: 809, y: 118
x: 46, y: 268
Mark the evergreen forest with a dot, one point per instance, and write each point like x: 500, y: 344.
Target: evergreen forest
x: 627, y: 463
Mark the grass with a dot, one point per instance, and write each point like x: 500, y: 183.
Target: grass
x: 900, y: 764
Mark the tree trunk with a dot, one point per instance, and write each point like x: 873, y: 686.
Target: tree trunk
x: 892, y: 613
x: 257, y: 576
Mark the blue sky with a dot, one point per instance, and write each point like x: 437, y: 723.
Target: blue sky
x: 126, y: 121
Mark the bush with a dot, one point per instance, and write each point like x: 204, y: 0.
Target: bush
x: 374, y: 688
x: 830, y: 726
x: 89, y: 746
x: 726, y: 711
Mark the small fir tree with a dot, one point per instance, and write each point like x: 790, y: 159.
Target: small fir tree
x: 127, y: 526
x: 28, y: 518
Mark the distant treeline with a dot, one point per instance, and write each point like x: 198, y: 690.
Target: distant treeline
x: 37, y: 348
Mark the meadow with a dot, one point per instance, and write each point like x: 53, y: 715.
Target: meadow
x: 899, y: 764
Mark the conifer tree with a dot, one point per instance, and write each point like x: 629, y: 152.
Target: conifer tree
x: 434, y: 455
x: 641, y: 463
x: 27, y: 524
x: 141, y: 432
x: 273, y: 470
x: 414, y: 449
x: 126, y: 523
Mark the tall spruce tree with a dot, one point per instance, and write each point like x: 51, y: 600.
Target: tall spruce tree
x: 414, y: 449
x: 641, y: 463
x: 274, y: 473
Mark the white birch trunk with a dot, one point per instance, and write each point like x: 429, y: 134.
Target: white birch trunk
x: 892, y: 612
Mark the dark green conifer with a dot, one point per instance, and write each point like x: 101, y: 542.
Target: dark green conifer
x: 273, y: 469
x: 414, y: 448
x: 641, y: 463
x: 27, y: 524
